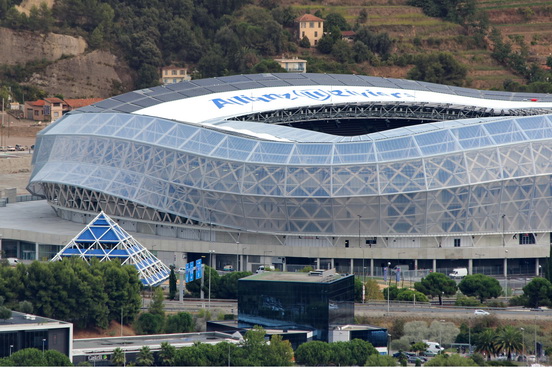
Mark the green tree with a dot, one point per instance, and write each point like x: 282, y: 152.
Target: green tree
x: 454, y: 360
x: 359, y: 350
x: 436, y: 285
x: 336, y: 20
x: 480, y: 286
x: 5, y: 313
x: 228, y: 284
x: 280, y: 352
x: 377, y: 360
x: 508, y: 340
x: 341, y: 51
x: 118, y: 358
x: 372, y: 290
x: 30, y: 357
x: 191, y: 356
x: 56, y: 359
x: 305, y: 42
x: 157, y: 305
x: 172, y: 284
x: 313, y: 353
x: 485, y: 343
x: 195, y: 286
x: 325, y: 44
x: 149, y: 323
x: 442, y: 68
x: 180, y: 322
x: 145, y: 357
x: 538, y: 292
x: 362, y: 16
x: 419, y: 346
x: 166, y: 354
x: 25, y: 307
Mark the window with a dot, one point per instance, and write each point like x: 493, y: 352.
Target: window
x: 315, y: 33
x: 457, y: 243
x: 173, y: 72
x: 346, y: 243
x: 302, y: 34
x: 181, y: 71
x: 527, y: 239
x: 311, y: 25
x: 56, y: 114
x: 36, y: 112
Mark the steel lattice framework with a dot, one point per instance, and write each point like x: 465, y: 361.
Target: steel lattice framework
x: 441, y: 178
x: 105, y: 240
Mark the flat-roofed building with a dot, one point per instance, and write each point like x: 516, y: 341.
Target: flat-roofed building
x: 23, y: 331
x: 313, y: 301
x: 293, y: 65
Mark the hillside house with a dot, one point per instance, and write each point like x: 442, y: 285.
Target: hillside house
x: 293, y: 65
x: 311, y: 27
x: 174, y: 74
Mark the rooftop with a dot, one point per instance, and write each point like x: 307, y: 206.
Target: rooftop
x: 135, y: 343
x: 319, y: 276
x: 308, y: 18
x: 18, y: 318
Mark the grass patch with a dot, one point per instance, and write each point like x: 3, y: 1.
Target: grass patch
x: 502, y: 5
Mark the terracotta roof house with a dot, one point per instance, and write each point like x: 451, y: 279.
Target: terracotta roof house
x: 311, y: 27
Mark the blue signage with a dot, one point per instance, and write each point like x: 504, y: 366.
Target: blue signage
x: 199, y: 269
x: 189, y: 272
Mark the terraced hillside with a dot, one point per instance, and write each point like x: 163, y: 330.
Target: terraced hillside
x: 414, y: 32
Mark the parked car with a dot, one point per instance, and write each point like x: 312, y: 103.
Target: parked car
x: 229, y: 268
x: 405, y: 354
x: 413, y: 358
x: 481, y: 312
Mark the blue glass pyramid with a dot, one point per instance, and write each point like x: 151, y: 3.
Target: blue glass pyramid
x: 103, y: 238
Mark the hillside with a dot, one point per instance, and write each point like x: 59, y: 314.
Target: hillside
x: 108, y: 47
x: 416, y: 33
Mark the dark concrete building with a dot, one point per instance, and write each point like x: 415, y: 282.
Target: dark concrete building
x: 23, y: 331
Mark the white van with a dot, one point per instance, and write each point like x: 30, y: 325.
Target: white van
x: 13, y: 261
x: 433, y: 348
x: 459, y: 273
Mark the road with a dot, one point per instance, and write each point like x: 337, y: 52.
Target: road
x: 377, y: 309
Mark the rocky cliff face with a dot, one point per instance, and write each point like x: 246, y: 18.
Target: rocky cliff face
x: 74, y: 73
x: 21, y: 47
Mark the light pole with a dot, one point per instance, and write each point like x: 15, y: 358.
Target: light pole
x: 363, y: 275
x: 389, y: 286
x: 506, y: 272
x: 43, y: 342
x: 211, y: 251
x: 441, y: 332
x: 11, y: 348
x: 536, y: 356
x: 237, y: 255
x: 469, y: 335
x: 523, y: 342
x: 503, y: 229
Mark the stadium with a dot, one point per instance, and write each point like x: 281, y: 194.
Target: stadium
x: 345, y: 171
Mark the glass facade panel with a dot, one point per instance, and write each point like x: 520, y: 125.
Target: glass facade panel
x: 293, y: 304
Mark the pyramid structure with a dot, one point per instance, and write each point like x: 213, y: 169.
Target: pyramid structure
x: 103, y: 238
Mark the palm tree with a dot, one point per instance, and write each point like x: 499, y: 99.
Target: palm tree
x: 145, y: 357
x: 509, y: 340
x: 166, y: 354
x: 118, y: 357
x: 486, y: 343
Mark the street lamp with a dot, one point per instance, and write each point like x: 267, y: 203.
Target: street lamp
x: 523, y: 342
x: 211, y: 251
x: 441, y: 332
x: 11, y: 348
x: 43, y: 342
x: 363, y: 275
x: 469, y: 335
x: 506, y: 273
x: 237, y: 255
x: 389, y: 286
